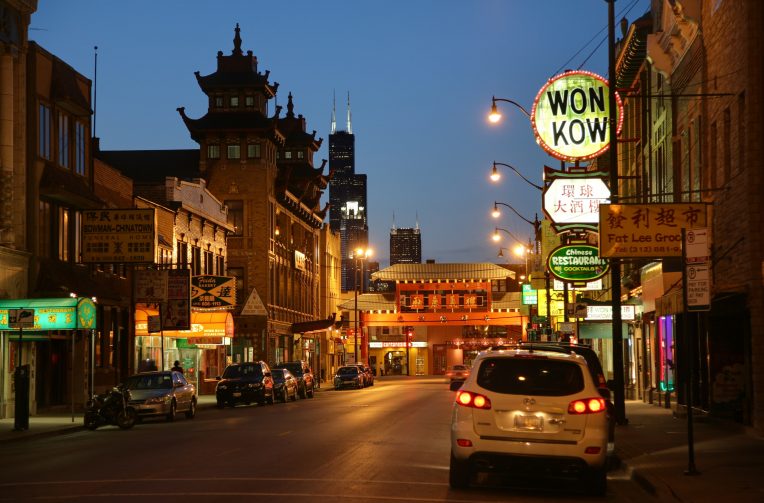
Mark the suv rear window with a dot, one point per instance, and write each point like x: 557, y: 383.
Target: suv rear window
x: 530, y: 376
x: 235, y: 371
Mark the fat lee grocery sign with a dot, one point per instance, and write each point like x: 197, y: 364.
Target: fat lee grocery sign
x: 647, y: 230
x: 577, y: 263
x: 571, y: 116
x: 123, y: 236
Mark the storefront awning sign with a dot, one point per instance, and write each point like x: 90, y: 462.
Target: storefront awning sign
x: 68, y: 313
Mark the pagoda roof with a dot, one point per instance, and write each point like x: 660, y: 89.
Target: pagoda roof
x: 440, y: 272
x: 150, y: 166
x: 237, y: 70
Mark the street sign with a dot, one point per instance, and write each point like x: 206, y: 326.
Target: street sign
x: 21, y: 318
x: 697, y: 246
x: 698, y: 288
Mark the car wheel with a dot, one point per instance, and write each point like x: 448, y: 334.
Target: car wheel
x: 285, y: 395
x: 191, y: 412
x: 459, y: 473
x: 312, y: 391
x: 294, y: 395
x: 173, y: 411
x: 220, y: 403
x: 303, y: 393
x: 596, y: 485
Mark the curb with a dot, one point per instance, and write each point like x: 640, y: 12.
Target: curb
x: 27, y: 435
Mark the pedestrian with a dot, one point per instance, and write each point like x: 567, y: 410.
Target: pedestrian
x: 176, y: 367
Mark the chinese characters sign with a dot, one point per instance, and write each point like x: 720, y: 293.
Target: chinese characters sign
x: 571, y: 116
x: 573, y: 199
x: 647, y: 230
x: 213, y: 292
x: 118, y: 236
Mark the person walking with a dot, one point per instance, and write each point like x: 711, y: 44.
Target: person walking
x: 176, y: 367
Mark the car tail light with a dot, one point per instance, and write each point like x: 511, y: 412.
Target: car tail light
x: 587, y: 406
x: 469, y: 399
x: 464, y: 442
x: 593, y: 450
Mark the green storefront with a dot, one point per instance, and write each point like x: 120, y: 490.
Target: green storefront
x: 57, y: 347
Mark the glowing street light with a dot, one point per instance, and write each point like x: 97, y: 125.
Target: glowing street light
x: 495, y: 115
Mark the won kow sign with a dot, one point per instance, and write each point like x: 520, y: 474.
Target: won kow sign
x: 571, y: 116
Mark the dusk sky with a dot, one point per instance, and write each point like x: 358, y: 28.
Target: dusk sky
x: 420, y: 74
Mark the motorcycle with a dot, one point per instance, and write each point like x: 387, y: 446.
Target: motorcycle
x: 110, y: 408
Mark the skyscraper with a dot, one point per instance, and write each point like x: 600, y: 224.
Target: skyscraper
x: 347, y: 197
x: 405, y: 245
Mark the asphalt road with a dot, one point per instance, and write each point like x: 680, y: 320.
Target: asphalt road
x: 389, y: 442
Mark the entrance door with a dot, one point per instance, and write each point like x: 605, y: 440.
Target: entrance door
x: 51, y: 376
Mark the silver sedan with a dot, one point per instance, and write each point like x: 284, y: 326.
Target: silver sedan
x: 162, y: 393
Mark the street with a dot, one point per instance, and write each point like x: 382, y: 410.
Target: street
x: 389, y: 442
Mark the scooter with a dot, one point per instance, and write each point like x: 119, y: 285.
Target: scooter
x: 110, y: 408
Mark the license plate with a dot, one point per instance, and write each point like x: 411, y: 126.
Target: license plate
x: 524, y: 422
x: 237, y: 394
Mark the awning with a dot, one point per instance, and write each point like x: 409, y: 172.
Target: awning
x: 64, y: 313
x: 306, y: 327
x: 203, y: 324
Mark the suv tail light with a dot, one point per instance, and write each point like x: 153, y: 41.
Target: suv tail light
x: 587, y: 406
x: 469, y: 399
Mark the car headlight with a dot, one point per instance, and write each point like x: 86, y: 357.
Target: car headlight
x: 157, y: 399
x: 254, y: 385
x: 222, y: 386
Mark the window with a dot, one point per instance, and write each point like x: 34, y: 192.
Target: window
x: 213, y: 151
x: 726, y: 145
x: 208, y: 263
x: 234, y: 101
x: 219, y: 265
x: 196, y: 260
x: 79, y: 144
x: 63, y: 140
x: 234, y: 151
x: 530, y: 376
x: 219, y: 101
x: 43, y: 140
x: 713, y: 156
x: 63, y: 234
x: 287, y: 154
x: 741, y: 129
x: 300, y: 154
x: 236, y: 216
x: 249, y: 101
x: 182, y: 255
x: 253, y: 151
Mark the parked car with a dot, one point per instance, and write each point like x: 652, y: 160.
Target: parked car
x: 284, y: 384
x: 305, y: 379
x: 161, y: 393
x: 245, y: 383
x: 529, y: 414
x: 457, y: 373
x: 349, y: 376
x: 368, y: 374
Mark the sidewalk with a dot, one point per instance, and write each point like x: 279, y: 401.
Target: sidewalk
x: 652, y: 450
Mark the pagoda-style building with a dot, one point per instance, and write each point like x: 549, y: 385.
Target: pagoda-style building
x: 261, y: 166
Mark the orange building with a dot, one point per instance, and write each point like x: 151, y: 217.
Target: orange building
x: 439, y: 315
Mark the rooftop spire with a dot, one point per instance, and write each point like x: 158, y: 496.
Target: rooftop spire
x: 334, y: 110
x: 417, y: 219
x: 350, y: 129
x: 393, y: 220
x: 290, y: 106
x: 237, y: 41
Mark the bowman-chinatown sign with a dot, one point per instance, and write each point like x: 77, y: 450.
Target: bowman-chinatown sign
x: 571, y: 116
x: 577, y: 263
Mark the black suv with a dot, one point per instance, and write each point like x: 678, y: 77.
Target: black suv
x: 306, y: 383
x: 245, y: 383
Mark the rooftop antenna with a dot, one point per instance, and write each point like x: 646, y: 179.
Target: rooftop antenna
x: 393, y: 220
x: 350, y: 130
x: 334, y: 111
x: 417, y: 220
x: 95, y: 88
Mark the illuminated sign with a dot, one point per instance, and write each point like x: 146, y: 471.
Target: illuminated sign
x: 300, y: 261
x: 118, y: 236
x: 573, y: 199
x: 571, y: 116
x: 647, y: 230
x: 530, y: 295
x: 590, y: 285
x: 605, y: 313
x: 577, y: 263
x: 213, y: 291
x: 401, y: 344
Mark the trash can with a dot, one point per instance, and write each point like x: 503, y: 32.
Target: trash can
x: 21, y: 385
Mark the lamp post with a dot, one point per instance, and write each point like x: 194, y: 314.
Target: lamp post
x: 496, y: 237
x: 359, y: 255
x: 495, y: 115
x: 496, y: 176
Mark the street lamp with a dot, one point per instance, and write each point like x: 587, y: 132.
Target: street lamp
x: 495, y: 115
x: 496, y: 237
x: 359, y: 255
x: 495, y: 175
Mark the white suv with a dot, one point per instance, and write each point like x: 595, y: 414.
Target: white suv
x: 531, y: 414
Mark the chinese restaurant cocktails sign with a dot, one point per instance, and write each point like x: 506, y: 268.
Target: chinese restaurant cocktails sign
x: 577, y: 263
x: 571, y: 116
x: 647, y: 230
